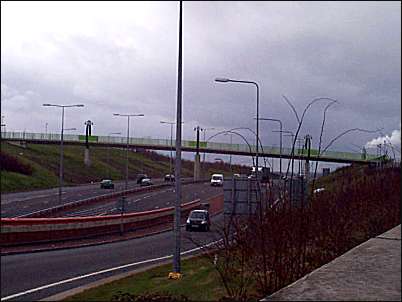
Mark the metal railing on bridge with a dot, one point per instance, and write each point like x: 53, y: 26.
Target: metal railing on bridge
x: 203, y: 146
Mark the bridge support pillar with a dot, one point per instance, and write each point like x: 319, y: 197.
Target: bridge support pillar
x: 87, y: 160
x: 197, y: 167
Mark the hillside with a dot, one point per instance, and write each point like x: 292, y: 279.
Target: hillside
x: 37, y: 166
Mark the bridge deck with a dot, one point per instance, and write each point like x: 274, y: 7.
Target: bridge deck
x: 189, y: 146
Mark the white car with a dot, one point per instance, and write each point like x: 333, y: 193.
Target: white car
x: 217, y: 180
x: 146, y: 182
x: 319, y: 190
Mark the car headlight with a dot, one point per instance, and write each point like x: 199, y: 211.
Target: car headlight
x: 188, y: 221
x: 203, y: 222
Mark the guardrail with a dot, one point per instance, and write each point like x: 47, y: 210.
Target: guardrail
x: 22, y: 231
x: 92, y: 200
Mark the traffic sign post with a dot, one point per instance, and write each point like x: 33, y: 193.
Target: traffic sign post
x: 121, y: 206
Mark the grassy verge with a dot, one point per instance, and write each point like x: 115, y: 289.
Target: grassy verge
x: 200, y: 282
x: 105, y: 163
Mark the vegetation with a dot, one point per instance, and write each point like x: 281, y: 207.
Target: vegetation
x: 199, y: 281
x: 37, y: 165
x: 290, y: 239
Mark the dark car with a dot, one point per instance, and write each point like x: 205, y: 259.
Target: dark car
x: 146, y: 182
x: 140, y: 177
x: 198, y: 219
x: 169, y: 177
x: 106, y: 184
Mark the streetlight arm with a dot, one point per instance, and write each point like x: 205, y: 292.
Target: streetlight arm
x: 128, y: 115
x: 62, y: 106
x: 76, y: 105
x: 258, y: 102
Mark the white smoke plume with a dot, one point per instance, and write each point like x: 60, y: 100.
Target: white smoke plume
x: 394, y: 140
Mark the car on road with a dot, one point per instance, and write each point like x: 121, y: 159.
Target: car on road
x: 198, y: 219
x: 140, y: 177
x: 319, y: 190
x: 146, y: 182
x: 107, y: 184
x: 169, y: 177
x: 217, y: 180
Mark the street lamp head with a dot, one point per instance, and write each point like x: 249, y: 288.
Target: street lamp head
x: 79, y: 105
x: 140, y: 114
x: 47, y: 105
x: 116, y: 114
x: 222, y: 80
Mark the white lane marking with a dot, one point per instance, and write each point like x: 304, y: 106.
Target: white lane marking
x: 101, y: 272
x: 31, y: 197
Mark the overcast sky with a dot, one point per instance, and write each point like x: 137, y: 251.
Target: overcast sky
x: 121, y: 57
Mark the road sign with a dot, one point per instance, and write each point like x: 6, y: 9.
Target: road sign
x: 92, y: 138
x: 194, y: 144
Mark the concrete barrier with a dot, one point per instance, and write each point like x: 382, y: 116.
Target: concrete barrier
x: 20, y: 231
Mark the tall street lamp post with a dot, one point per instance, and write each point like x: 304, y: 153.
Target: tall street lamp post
x: 108, y: 152
x: 230, y: 156
x: 2, y: 124
x: 171, y: 145
x: 299, y: 140
x: 204, y: 130
x: 225, y: 80
x: 61, y: 168
x: 177, y: 206
x: 280, y: 141
x: 128, y: 135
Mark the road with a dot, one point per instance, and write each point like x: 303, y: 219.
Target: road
x: 21, y: 203
x: 145, y: 201
x: 44, y: 272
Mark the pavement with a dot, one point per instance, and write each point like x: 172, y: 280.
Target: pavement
x: 369, y: 272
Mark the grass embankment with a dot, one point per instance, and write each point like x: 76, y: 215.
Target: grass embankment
x: 199, y: 282
x: 37, y: 166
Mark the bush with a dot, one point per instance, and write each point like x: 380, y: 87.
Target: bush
x: 290, y: 241
x: 120, y: 296
x: 12, y: 164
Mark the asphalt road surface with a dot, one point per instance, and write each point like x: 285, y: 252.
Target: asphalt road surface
x: 145, y: 201
x: 34, y: 276
x: 22, y: 203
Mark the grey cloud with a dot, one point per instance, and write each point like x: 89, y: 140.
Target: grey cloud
x: 347, y: 51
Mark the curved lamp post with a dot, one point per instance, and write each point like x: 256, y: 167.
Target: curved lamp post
x: 280, y: 140
x: 226, y: 80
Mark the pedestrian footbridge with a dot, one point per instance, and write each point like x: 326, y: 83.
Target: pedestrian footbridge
x: 188, y: 146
